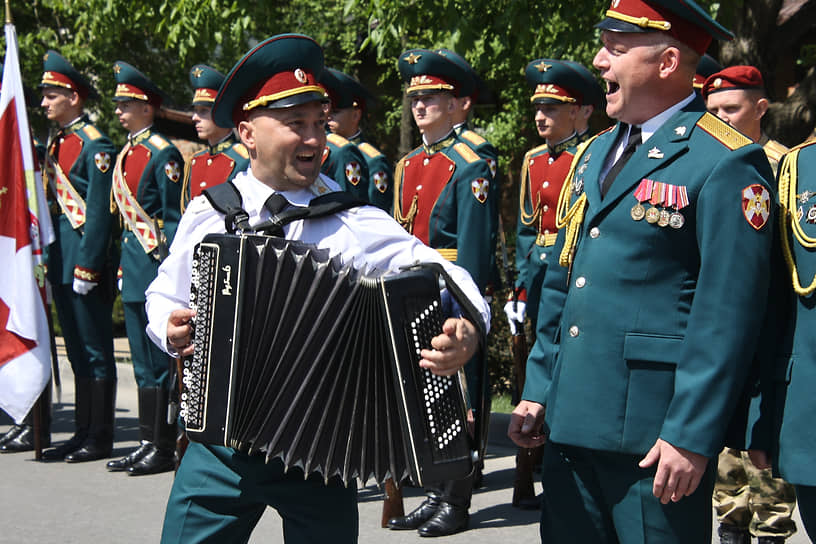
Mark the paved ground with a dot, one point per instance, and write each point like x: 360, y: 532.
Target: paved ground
x: 58, y: 502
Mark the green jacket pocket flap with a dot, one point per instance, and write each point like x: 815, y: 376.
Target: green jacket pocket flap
x: 650, y: 347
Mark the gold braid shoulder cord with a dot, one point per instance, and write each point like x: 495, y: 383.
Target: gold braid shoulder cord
x: 407, y: 220
x: 527, y: 219
x: 787, y: 201
x: 568, y: 216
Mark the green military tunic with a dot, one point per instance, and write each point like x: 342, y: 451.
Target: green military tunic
x: 381, y: 174
x: 345, y: 164
x: 83, y: 248
x: 213, y: 165
x: 151, y: 167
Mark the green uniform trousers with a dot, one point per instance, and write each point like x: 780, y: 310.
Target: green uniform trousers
x: 597, y: 497
x: 751, y: 499
x: 151, y: 366
x: 806, y: 496
x: 87, y: 327
x: 219, y: 496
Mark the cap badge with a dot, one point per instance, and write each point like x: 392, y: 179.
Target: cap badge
x: 717, y: 83
x: 543, y: 66
x: 197, y: 72
x: 300, y: 75
x: 116, y: 68
x: 412, y: 58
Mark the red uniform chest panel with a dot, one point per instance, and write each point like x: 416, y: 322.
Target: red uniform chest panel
x: 325, y: 157
x: 209, y: 170
x: 546, y: 180
x: 134, y: 165
x: 426, y: 177
x: 69, y: 149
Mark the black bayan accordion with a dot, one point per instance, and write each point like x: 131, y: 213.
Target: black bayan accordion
x: 302, y: 359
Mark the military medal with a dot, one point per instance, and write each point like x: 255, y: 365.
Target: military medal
x: 657, y: 197
x: 663, y: 218
x: 638, y: 212
x: 652, y: 215
x: 676, y: 220
x: 680, y: 201
x: 811, y: 214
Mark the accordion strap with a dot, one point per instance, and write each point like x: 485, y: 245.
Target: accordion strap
x: 226, y: 199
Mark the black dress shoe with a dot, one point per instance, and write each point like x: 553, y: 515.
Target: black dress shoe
x: 154, y: 462
x: 24, y: 441
x: 11, y: 433
x: 121, y: 465
x: 730, y: 534
x: 448, y: 519
x: 91, y: 450
x: 417, y: 517
x: 59, y: 453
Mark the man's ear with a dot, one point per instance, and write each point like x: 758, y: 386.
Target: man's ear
x: 246, y: 132
x: 761, y: 107
x: 669, y: 62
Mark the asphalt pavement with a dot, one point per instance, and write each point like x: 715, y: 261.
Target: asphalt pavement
x: 81, y: 503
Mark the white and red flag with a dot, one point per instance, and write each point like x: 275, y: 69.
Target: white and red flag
x: 25, y: 228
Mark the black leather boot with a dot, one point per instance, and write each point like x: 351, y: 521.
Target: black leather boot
x: 99, y: 442
x: 147, y: 417
x: 452, y: 514
x: 418, y: 516
x: 24, y: 439
x: 162, y: 455
x: 82, y: 421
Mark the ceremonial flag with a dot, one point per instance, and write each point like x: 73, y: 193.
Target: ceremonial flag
x: 25, y: 228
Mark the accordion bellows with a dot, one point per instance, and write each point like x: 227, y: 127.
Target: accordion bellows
x: 302, y: 359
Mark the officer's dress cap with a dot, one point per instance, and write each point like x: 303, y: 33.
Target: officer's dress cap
x: 733, y: 77
x: 131, y: 84
x: 58, y: 72
x: 345, y: 91
x: 683, y: 19
x: 280, y: 72
x: 428, y: 72
x: 205, y: 81
x: 555, y: 82
x: 593, y: 94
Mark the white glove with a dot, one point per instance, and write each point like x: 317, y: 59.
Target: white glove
x: 82, y: 287
x: 516, y: 313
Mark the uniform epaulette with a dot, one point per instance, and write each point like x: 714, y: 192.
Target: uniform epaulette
x: 91, y: 132
x: 472, y: 137
x: 466, y: 152
x: 158, y: 141
x: 369, y: 149
x: 774, y: 150
x: 723, y: 132
x: 337, y: 140
x: 241, y: 149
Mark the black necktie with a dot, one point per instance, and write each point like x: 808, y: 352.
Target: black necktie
x: 632, y: 143
x: 276, y: 204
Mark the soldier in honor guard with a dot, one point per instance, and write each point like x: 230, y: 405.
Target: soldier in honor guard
x: 147, y: 193
x: 468, y: 95
x: 708, y: 65
x: 748, y: 501
x: 344, y: 162
x: 81, y: 261
x: 664, y: 217
x: 593, y: 100
x: 349, y: 103
x: 782, y: 436
x: 224, y: 155
x: 444, y: 196
x: 559, y: 92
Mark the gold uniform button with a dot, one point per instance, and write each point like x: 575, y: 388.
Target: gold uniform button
x: 545, y: 208
x: 545, y: 184
x: 580, y: 282
x: 594, y: 232
x: 543, y: 256
x: 573, y: 331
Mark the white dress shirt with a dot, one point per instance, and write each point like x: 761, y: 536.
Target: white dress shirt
x: 366, y: 237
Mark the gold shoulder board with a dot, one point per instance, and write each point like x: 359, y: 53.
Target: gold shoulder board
x: 158, y: 141
x: 337, y: 140
x: 369, y: 149
x: 466, y: 152
x: 241, y: 150
x: 723, y: 132
x: 472, y: 137
x: 91, y: 132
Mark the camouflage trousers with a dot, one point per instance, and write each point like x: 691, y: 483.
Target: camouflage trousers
x: 752, y: 499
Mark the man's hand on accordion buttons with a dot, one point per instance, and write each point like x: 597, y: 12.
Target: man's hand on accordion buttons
x: 180, y: 332
x: 452, y: 349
